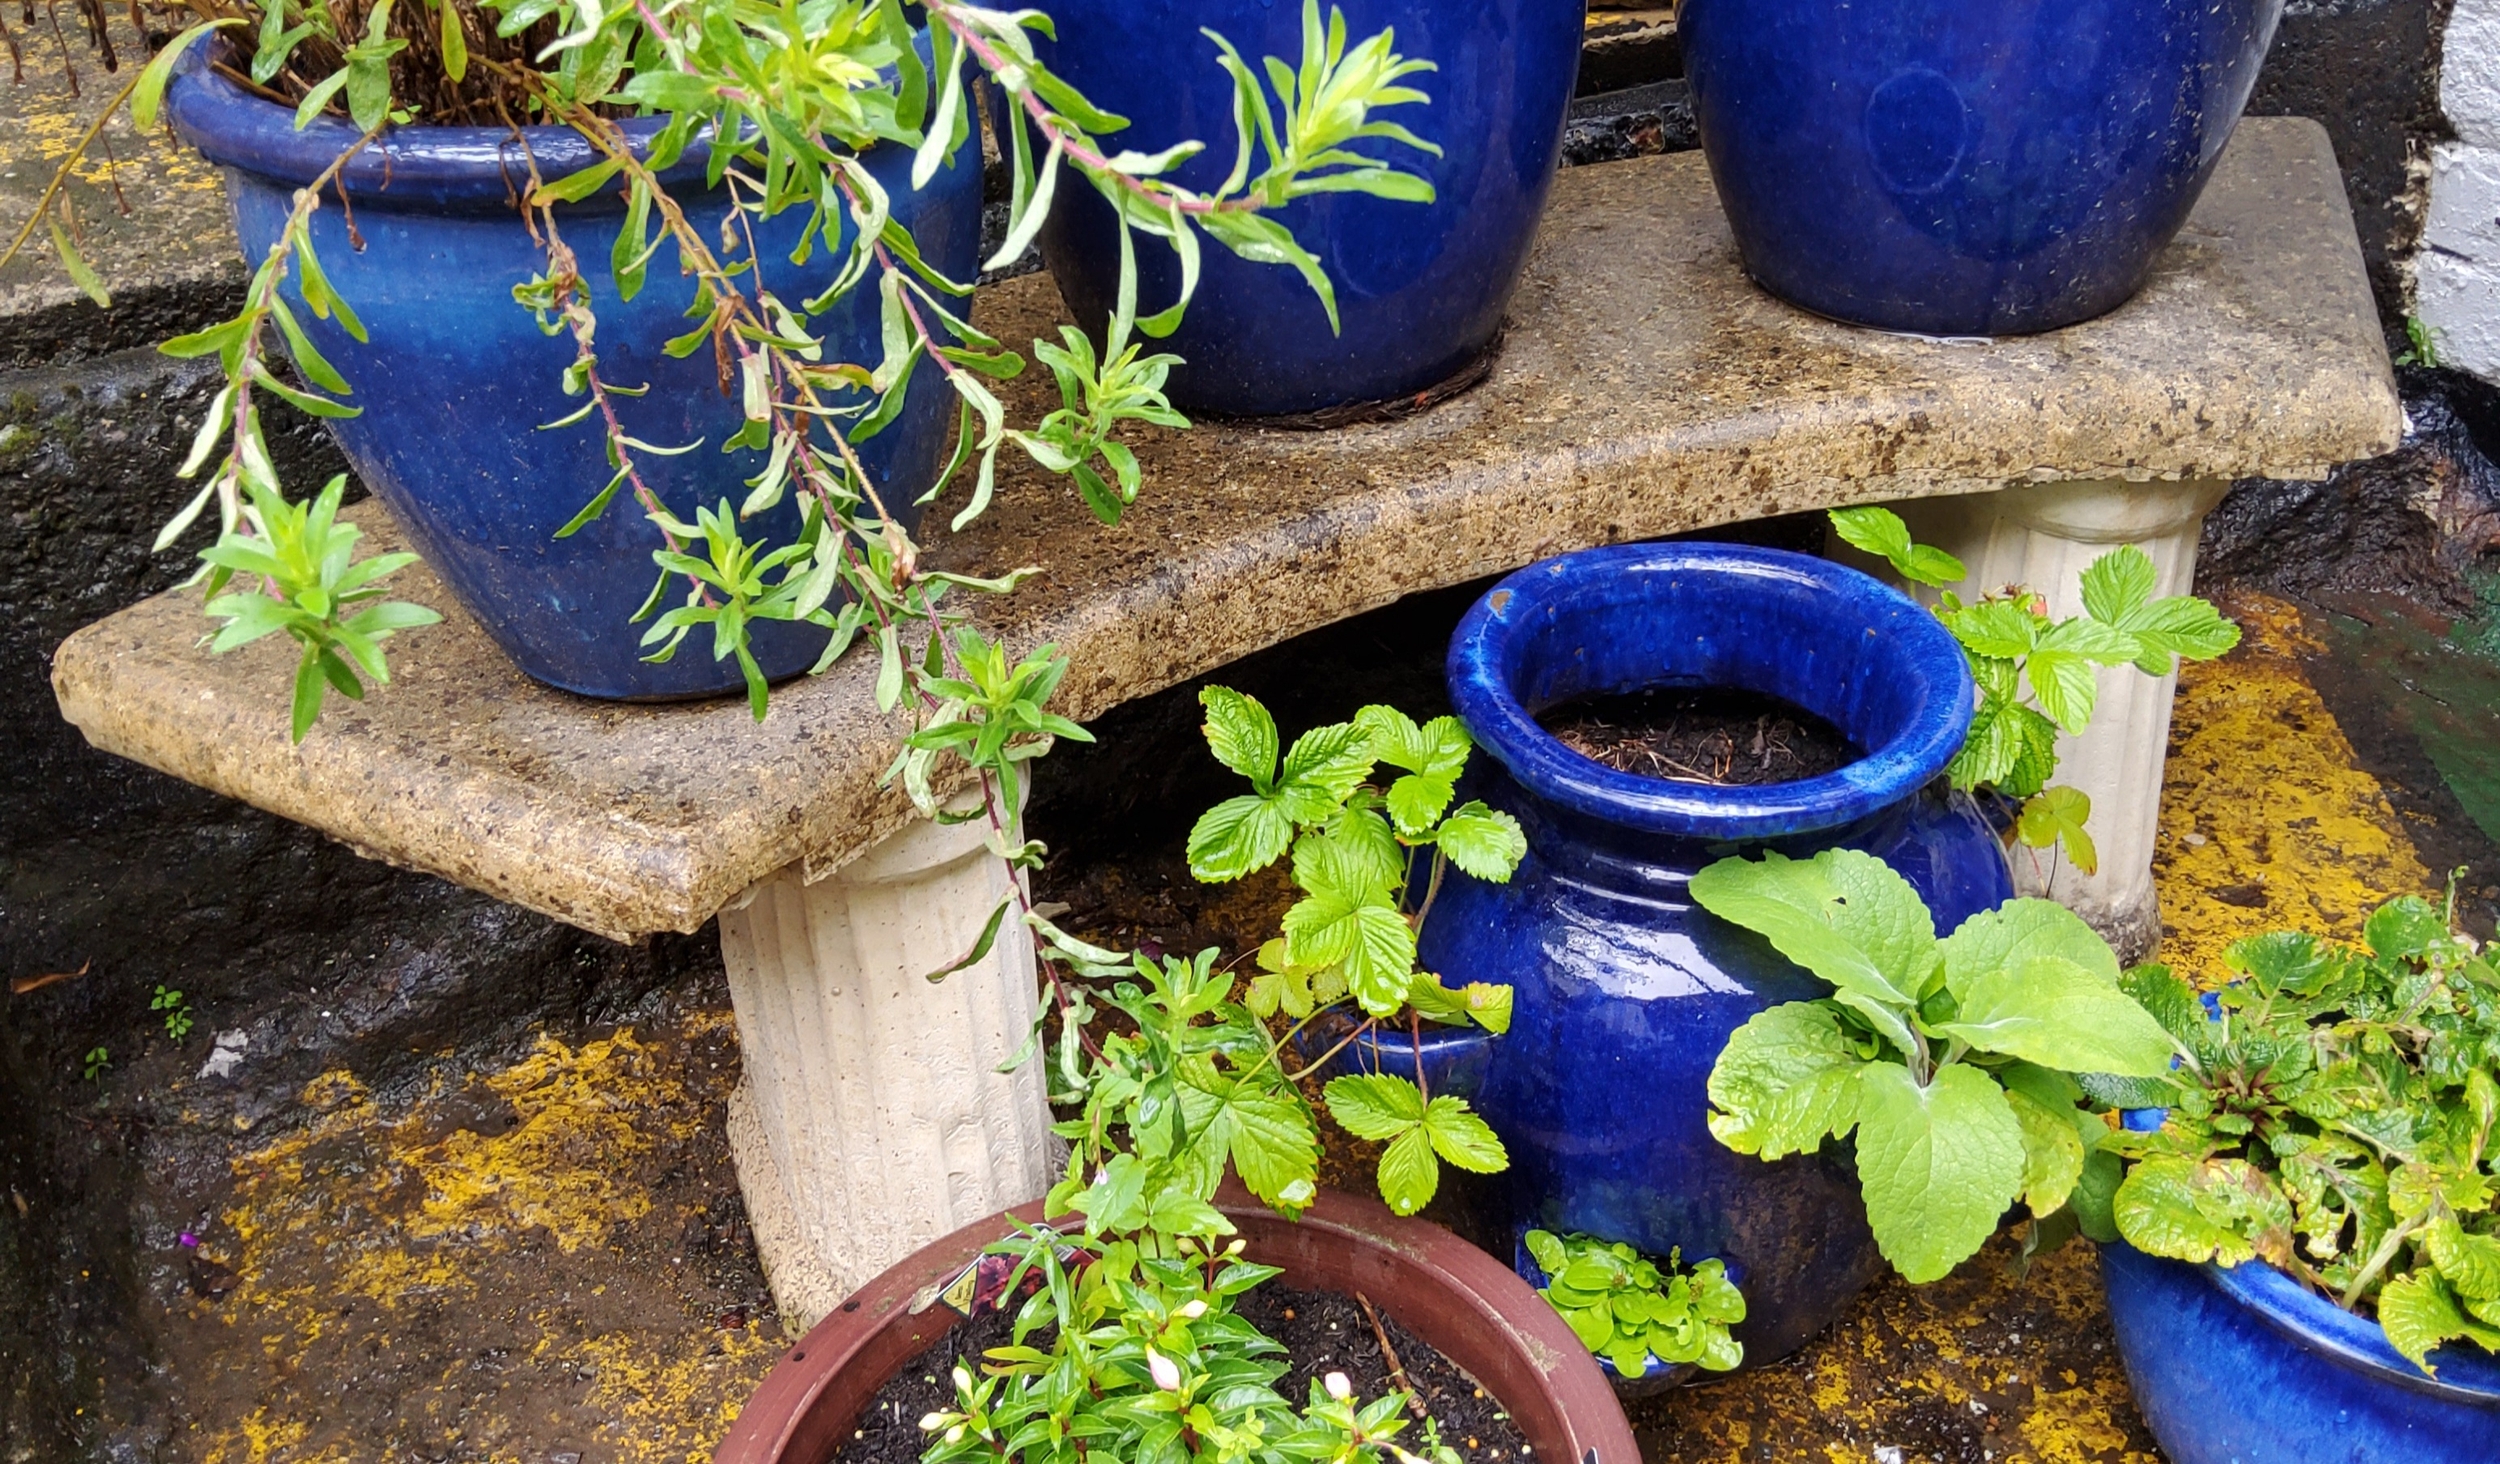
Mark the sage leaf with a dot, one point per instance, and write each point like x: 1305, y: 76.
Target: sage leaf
x: 1785, y: 1081
x: 1938, y: 1164
x: 2049, y: 1010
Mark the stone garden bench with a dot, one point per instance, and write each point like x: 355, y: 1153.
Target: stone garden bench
x: 1645, y: 388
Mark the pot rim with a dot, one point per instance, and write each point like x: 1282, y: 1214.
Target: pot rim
x: 1492, y: 633
x: 785, y: 1418
x: 2313, y: 1322
x: 459, y: 168
x: 451, y: 164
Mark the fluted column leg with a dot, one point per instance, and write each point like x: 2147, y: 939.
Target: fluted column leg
x: 2043, y: 535
x: 872, y: 1117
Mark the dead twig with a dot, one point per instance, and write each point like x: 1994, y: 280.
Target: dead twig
x: 1397, y: 1370
x: 25, y: 984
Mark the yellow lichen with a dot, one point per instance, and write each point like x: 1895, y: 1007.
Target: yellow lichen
x: 2266, y: 822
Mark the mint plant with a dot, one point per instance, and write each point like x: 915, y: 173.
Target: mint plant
x: 2036, y: 674
x: 2332, y: 1115
x: 1953, y: 1062
x: 1632, y: 1311
x: 1356, y: 842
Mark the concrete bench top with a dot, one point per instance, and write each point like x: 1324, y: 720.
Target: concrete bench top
x: 1645, y: 388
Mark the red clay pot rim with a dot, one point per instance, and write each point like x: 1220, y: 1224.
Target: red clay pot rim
x: 1469, y: 1306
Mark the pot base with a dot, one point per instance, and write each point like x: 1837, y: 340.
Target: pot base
x: 1391, y: 409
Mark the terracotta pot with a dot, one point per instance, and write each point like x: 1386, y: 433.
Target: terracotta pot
x: 1468, y: 1305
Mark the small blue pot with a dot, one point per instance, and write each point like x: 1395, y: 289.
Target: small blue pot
x: 1454, y: 1058
x: 1965, y: 167
x: 2245, y: 1366
x: 457, y: 377
x: 1420, y: 287
x: 1624, y: 990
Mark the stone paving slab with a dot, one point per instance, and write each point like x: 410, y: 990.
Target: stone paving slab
x: 1645, y: 388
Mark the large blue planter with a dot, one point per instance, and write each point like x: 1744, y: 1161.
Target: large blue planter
x: 457, y: 378
x: 2245, y: 1366
x: 1420, y: 287
x: 1624, y: 989
x: 1965, y: 167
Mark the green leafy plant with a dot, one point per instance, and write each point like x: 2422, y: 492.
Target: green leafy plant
x: 781, y: 102
x: 1147, y: 1359
x: 95, y: 1064
x: 1952, y: 1061
x: 2421, y: 347
x: 176, y: 1012
x: 1633, y: 1311
x: 1356, y: 841
x: 2333, y: 1115
x: 306, y: 582
x: 1149, y: 1362
x: 2036, y: 674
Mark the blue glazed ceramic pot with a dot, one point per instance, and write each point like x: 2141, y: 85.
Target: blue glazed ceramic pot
x: 2245, y: 1366
x: 1624, y: 989
x: 457, y: 377
x: 1420, y: 287
x: 1965, y: 167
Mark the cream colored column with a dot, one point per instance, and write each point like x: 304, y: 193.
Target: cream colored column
x: 872, y: 1117
x: 2043, y: 536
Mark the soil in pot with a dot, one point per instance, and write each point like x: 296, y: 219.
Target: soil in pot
x: 1322, y: 1332
x: 1721, y: 735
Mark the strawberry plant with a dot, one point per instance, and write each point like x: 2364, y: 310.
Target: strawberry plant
x: 2037, y: 674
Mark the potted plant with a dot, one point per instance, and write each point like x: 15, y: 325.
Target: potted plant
x: 1127, y: 1336
x: 2303, y: 1259
x: 1964, y: 168
x: 1622, y: 985
x: 1460, y: 1301
x: 1395, y: 303
x: 767, y: 356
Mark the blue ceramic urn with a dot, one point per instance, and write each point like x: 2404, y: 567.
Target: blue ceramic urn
x: 1965, y: 167
x: 1420, y: 287
x: 457, y: 378
x: 2246, y: 1366
x: 1625, y: 990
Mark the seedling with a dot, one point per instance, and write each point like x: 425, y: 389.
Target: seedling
x: 95, y: 1063
x: 176, y: 1010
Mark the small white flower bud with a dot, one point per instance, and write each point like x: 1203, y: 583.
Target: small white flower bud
x: 1337, y: 1386
x: 1194, y: 1310
x: 1167, y: 1373
x: 963, y: 1379
x: 1236, y: 1248
x: 955, y: 1435
x: 930, y: 1422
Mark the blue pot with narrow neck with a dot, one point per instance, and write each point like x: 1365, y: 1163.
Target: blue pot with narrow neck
x: 456, y: 379
x: 1624, y: 989
x: 2244, y: 1365
x: 1420, y: 287
x: 1965, y: 167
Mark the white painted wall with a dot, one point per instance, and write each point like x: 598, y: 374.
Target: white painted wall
x: 2457, y: 271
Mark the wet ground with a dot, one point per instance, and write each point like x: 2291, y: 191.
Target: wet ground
x: 542, y: 1257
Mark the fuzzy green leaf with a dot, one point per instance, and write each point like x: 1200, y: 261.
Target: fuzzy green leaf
x: 2051, y: 1011
x: 1785, y: 1081
x: 1938, y: 1164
